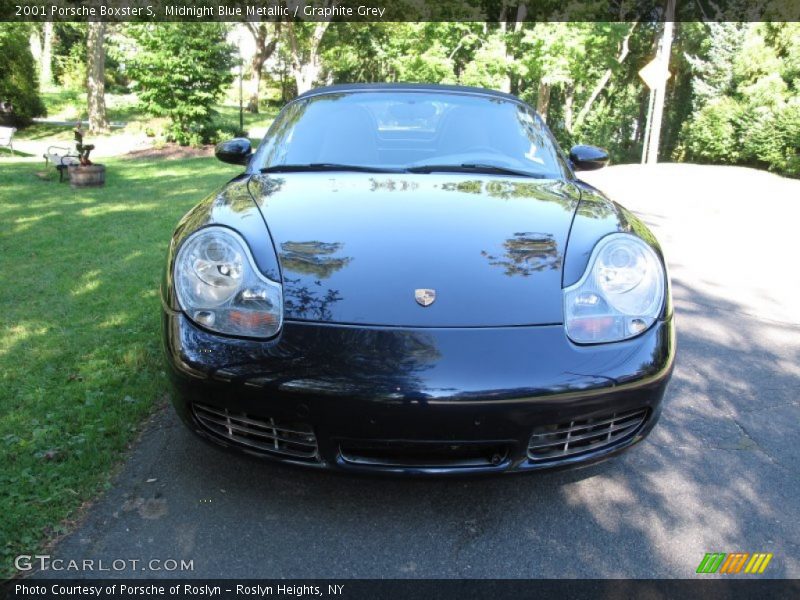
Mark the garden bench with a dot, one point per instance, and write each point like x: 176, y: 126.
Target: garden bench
x: 61, y: 159
x: 7, y: 137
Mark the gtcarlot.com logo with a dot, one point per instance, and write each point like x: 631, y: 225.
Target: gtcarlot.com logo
x: 43, y: 562
x: 735, y: 562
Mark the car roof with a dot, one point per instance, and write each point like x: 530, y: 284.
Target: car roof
x: 406, y: 87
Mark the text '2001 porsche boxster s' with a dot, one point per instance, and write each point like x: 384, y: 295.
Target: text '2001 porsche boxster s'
x: 411, y: 279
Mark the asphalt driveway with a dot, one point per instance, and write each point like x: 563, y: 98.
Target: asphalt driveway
x: 719, y: 473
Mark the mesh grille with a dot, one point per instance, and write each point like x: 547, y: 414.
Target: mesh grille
x: 264, y: 434
x: 551, y: 442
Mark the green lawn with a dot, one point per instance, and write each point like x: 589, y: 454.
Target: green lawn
x: 229, y: 114
x: 80, y: 357
x: 69, y: 105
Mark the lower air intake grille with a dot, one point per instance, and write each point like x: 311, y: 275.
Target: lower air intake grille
x: 552, y: 442
x: 267, y: 435
x: 426, y: 455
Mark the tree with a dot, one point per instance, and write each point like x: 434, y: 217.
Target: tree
x: 265, y: 36
x: 732, y: 96
x: 181, y: 70
x: 433, y: 65
x: 713, y: 63
x: 488, y: 67
x: 746, y: 97
x: 19, y: 88
x: 604, y: 79
x: 46, y: 70
x: 96, y: 77
x: 434, y: 52
x: 42, y: 50
x: 305, y: 40
x: 305, y: 49
x: 360, y: 52
x: 70, y: 41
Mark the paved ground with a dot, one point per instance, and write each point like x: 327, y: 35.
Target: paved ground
x: 719, y: 473
x: 105, y: 146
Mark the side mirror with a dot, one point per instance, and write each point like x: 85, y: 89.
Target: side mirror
x: 588, y: 158
x: 236, y: 151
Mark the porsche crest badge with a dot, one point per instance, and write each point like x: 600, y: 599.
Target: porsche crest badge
x: 425, y: 297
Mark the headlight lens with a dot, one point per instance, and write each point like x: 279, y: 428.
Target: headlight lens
x: 219, y: 286
x: 619, y: 296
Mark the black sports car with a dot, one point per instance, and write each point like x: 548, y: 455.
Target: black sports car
x: 411, y: 279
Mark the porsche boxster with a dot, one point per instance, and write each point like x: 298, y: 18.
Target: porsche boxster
x: 412, y: 279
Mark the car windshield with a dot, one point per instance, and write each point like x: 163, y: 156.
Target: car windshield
x: 413, y: 131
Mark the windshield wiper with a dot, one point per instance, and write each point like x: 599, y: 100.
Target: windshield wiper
x: 474, y: 168
x: 461, y: 168
x: 311, y: 167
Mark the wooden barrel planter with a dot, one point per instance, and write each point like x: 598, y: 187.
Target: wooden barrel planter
x: 88, y: 176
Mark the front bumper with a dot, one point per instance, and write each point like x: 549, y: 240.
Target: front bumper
x: 450, y: 390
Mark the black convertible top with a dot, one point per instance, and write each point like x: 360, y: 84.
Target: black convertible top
x: 417, y: 87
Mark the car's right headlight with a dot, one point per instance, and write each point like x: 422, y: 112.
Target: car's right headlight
x: 619, y: 296
x: 219, y: 286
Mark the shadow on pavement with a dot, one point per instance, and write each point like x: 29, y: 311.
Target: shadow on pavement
x: 719, y: 473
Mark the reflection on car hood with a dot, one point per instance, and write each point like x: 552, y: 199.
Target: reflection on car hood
x: 355, y: 247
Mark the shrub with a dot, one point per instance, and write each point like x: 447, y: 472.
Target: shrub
x: 712, y: 134
x: 772, y: 138
x: 19, y: 86
x: 787, y: 130
x: 221, y: 132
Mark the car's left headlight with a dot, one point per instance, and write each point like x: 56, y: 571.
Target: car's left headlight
x: 619, y: 296
x: 219, y: 286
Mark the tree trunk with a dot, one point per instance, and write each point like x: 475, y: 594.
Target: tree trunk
x: 569, y: 101
x: 522, y: 12
x: 95, y: 80
x: 601, y: 84
x: 306, y: 75
x: 265, y: 47
x: 505, y: 86
x: 641, y: 118
x: 543, y: 100
x: 255, y: 86
x: 307, y: 71
x: 46, y: 61
x: 510, y: 84
x: 35, y: 42
x: 513, y: 78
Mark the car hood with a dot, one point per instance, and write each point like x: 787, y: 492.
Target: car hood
x: 355, y: 248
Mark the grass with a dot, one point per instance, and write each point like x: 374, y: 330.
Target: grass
x: 6, y: 153
x: 69, y: 105
x: 63, y: 102
x: 80, y: 357
x: 57, y: 134
x: 229, y: 114
x: 66, y: 104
